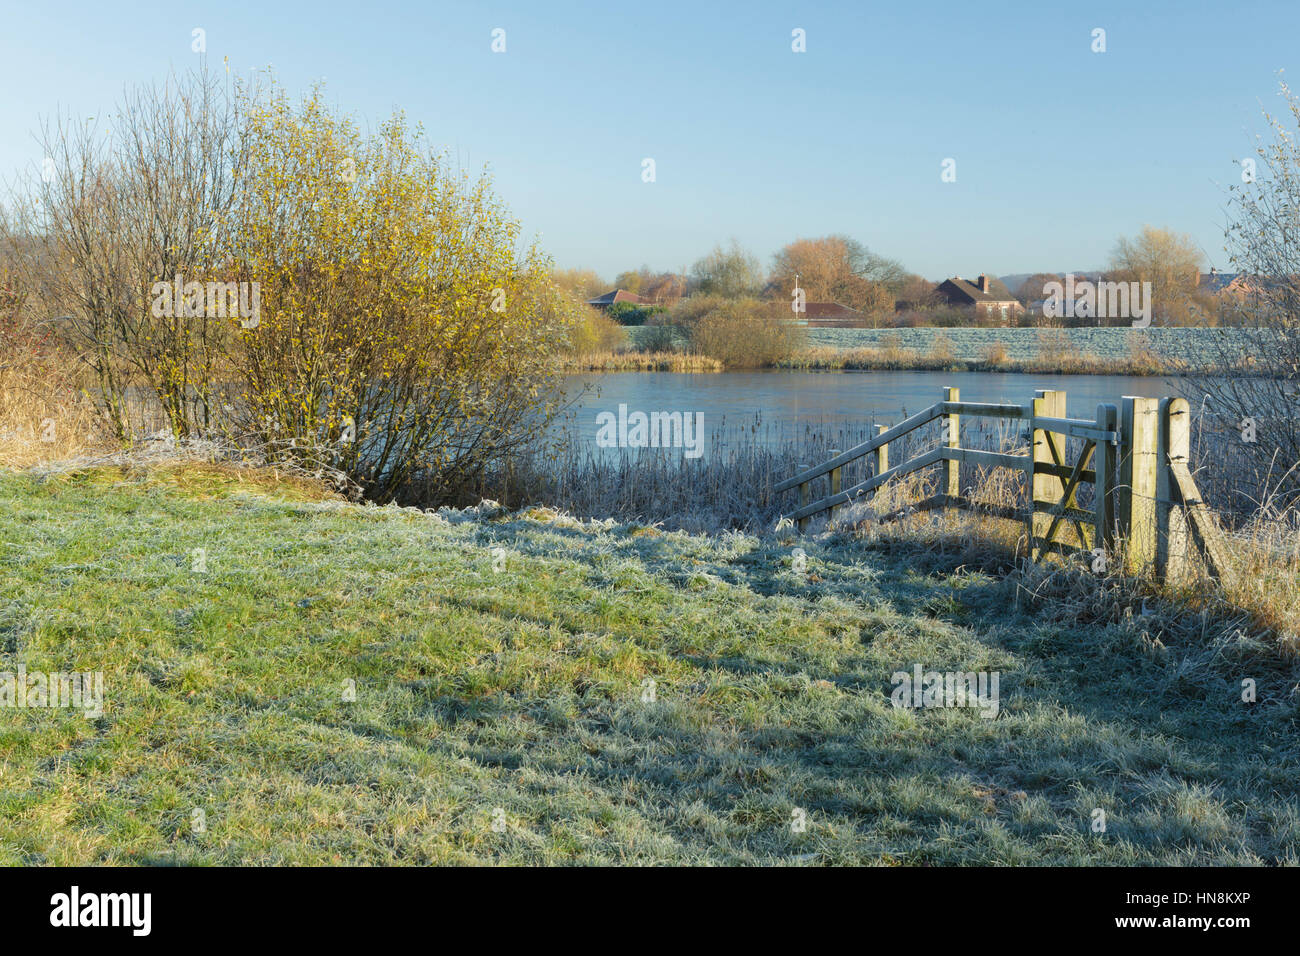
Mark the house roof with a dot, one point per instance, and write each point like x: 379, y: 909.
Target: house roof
x: 965, y: 290
x: 828, y: 310
x: 618, y: 295
x: 1245, y: 282
x: 1218, y: 281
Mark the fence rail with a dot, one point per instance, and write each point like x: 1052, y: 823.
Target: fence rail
x: 1134, y: 455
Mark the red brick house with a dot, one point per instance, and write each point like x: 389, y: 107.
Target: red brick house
x: 986, y: 297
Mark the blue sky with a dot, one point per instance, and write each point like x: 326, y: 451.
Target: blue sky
x: 1058, y: 150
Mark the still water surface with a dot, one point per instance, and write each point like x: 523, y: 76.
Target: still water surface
x: 791, y: 400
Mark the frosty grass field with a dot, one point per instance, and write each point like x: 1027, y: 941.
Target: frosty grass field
x: 335, y: 683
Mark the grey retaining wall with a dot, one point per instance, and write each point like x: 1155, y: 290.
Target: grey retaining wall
x: 1023, y: 344
x: 969, y: 344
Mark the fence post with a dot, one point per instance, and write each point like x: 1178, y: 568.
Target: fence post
x: 803, y: 500
x: 1045, y: 488
x: 836, y: 484
x: 952, y: 468
x: 1104, y: 465
x: 1171, y: 520
x: 1139, y: 427
x: 882, y: 453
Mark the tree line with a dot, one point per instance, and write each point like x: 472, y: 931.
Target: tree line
x: 842, y: 270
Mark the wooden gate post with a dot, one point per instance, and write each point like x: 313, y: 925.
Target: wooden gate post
x: 1139, y: 437
x: 882, y: 453
x: 951, y: 467
x: 1171, y: 521
x: 1104, y: 465
x: 836, y: 486
x: 1048, y: 449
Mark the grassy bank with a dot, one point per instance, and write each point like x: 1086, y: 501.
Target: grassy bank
x: 518, y: 697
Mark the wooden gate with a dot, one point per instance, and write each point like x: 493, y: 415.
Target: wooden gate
x: 1134, y: 454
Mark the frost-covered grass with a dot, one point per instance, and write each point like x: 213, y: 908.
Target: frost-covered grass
x: 515, y: 697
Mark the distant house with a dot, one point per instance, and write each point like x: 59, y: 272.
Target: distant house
x: 986, y: 297
x: 1235, y: 291
x: 828, y: 315
x: 1215, y: 282
x: 618, y: 295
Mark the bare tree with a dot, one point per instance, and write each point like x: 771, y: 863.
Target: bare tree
x: 1170, y: 262
x: 730, y: 272
x: 838, y: 269
x: 118, y: 207
x: 1252, y: 384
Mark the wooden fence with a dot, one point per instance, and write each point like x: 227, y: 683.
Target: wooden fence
x: 1135, y: 455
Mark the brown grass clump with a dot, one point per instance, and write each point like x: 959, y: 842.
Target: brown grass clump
x: 994, y: 355
x: 44, y: 413
x: 942, y: 351
x: 198, y: 479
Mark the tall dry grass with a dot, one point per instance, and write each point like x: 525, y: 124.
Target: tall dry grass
x: 618, y: 361
x: 45, y: 414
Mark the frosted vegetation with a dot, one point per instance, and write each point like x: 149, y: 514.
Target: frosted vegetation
x: 521, y: 690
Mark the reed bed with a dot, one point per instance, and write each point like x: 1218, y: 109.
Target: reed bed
x: 44, y: 416
x: 640, y: 362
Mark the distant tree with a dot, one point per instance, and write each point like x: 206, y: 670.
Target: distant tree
x: 1170, y: 261
x: 1031, y: 290
x: 837, y: 269
x: 731, y: 272
x: 664, y: 288
x: 661, y: 288
x: 875, y: 268
x: 916, y: 292
x: 630, y: 281
x: 579, y: 284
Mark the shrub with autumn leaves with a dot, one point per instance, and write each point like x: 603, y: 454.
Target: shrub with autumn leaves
x: 402, y: 325
x: 400, y: 329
